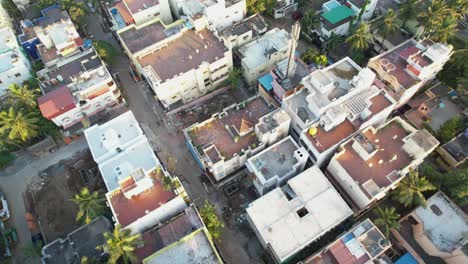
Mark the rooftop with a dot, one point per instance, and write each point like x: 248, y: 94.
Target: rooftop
x: 7, y: 39
x: 338, y: 15
x: 256, y: 23
x: 136, y: 6
x: 56, y: 102
x: 444, y: 223
x: 79, y: 243
x: 177, y: 228
x: 288, y: 219
x: 257, y: 53
x: 224, y: 130
x: 194, y: 248
x: 362, y: 243
x: 277, y: 160
x: 183, y: 54
x: 51, y: 15
x: 458, y: 147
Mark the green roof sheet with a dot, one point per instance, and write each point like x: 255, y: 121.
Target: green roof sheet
x: 337, y: 14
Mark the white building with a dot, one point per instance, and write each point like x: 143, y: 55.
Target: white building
x: 243, y: 32
x: 222, y: 144
x: 14, y: 66
x: 133, y: 175
x: 284, y: 7
x: 335, y: 103
x: 335, y: 18
x: 408, y: 66
x: 357, y: 5
x: 277, y: 164
x: 5, y: 19
x: 75, y: 88
x: 216, y: 14
x: 289, y: 218
x: 375, y: 160
x: 260, y: 56
x: 179, y: 63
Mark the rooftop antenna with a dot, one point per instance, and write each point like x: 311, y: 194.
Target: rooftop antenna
x: 295, y: 33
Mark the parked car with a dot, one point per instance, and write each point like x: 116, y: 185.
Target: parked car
x: 91, y: 7
x: 4, y: 212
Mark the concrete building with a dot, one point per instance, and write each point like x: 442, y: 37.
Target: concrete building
x: 222, y: 144
x: 369, y: 165
x: 335, y: 18
x: 335, y: 103
x: 172, y: 242
x: 78, y: 244
x: 455, y: 152
x: 277, y: 164
x: 215, y: 14
x: 436, y: 233
x: 127, y: 12
x: 244, y: 31
x: 76, y: 88
x: 5, y: 19
x: 289, y: 218
x: 14, y: 67
x: 179, y: 62
x: 357, y: 5
x: 51, y: 36
x: 408, y: 66
x: 364, y: 243
x: 261, y: 55
x: 284, y: 7
x: 141, y: 193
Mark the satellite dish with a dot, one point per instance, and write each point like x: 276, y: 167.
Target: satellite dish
x: 313, y: 131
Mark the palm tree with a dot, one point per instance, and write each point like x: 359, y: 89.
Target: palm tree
x: 387, y: 25
x: 18, y: 126
x: 331, y: 42
x: 120, y: 245
x: 91, y: 205
x: 22, y: 96
x: 445, y: 29
x: 408, y: 10
x: 361, y: 38
x: 459, y: 6
x: 411, y: 188
x: 433, y: 16
x: 309, y: 21
x: 387, y: 219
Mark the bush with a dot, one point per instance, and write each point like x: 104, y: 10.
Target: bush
x: 106, y: 51
x: 6, y: 158
x: 450, y: 129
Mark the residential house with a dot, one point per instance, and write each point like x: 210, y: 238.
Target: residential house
x: 141, y: 193
x: 289, y: 218
x: 222, y: 144
x: 408, y: 66
x: 455, y: 152
x: 335, y: 18
x: 284, y: 7
x: 76, y: 88
x: 357, y: 5
x: 364, y: 243
x: 277, y: 164
x: 244, y: 31
x: 436, y: 233
x: 15, y: 67
x: 372, y: 163
x: 335, y: 103
x: 180, y: 63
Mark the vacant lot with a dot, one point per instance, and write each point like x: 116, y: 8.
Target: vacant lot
x: 49, y: 195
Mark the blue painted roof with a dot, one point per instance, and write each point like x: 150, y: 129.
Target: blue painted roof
x: 266, y: 81
x: 406, y: 259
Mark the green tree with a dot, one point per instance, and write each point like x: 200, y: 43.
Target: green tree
x: 78, y: 15
x: 450, y: 129
x: 120, y: 245
x: 11, y: 9
x: 22, y: 96
x: 309, y: 55
x: 211, y: 220
x: 309, y: 21
x: 408, y: 10
x: 432, y: 16
x: 256, y: 6
x: 331, y: 42
x: 387, y: 25
x: 361, y: 38
x: 106, y: 51
x: 91, y: 205
x: 321, y: 60
x: 234, y: 77
x: 18, y: 125
x: 459, y: 6
x: 386, y: 219
x: 445, y: 29
x: 357, y: 19
x: 453, y: 182
x: 411, y: 188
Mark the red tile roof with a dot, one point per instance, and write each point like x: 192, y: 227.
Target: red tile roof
x: 123, y: 11
x: 56, y: 102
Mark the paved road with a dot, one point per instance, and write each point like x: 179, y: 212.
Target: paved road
x: 13, y: 184
x: 168, y: 142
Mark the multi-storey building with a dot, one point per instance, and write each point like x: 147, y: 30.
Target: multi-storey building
x: 180, y: 63
x: 372, y: 163
x: 14, y: 66
x: 408, y: 66
x: 244, y: 31
x: 222, y: 144
x: 141, y: 193
x: 75, y: 88
x: 335, y: 103
x: 289, y: 218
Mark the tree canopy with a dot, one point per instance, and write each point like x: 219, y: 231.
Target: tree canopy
x: 213, y: 223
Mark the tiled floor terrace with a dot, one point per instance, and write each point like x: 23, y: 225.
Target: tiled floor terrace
x: 324, y: 140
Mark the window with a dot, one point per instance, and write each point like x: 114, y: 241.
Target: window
x: 18, y: 74
x: 302, y: 212
x: 110, y: 83
x: 245, y: 37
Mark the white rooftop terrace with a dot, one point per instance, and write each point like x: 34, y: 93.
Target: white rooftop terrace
x: 256, y: 53
x: 288, y: 219
x: 7, y: 39
x: 444, y: 223
x: 106, y: 140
